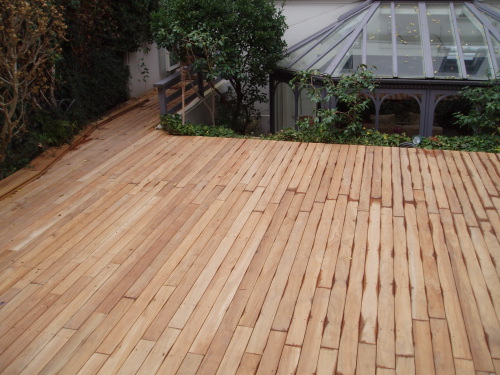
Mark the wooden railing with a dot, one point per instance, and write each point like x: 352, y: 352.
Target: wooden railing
x: 170, y: 91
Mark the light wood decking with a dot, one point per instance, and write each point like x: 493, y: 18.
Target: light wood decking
x: 146, y: 253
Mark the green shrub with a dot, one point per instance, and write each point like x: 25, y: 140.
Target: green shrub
x: 484, y: 117
x: 174, y: 126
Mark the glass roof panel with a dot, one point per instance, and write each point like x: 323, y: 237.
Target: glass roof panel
x: 325, y: 45
x: 442, y: 40
x: 496, y: 47
x: 323, y: 63
x: 352, y: 59
x: 409, y: 41
x: 474, y: 45
x: 493, y: 20
x: 444, y: 52
x: 379, y: 49
x: 300, y: 51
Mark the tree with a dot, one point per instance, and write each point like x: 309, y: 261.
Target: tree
x: 30, y: 32
x: 249, y: 40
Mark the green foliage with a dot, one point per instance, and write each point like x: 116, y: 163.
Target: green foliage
x: 91, y: 73
x: 30, y: 33
x: 348, y: 90
x: 237, y: 40
x: 484, y: 117
x: 174, y: 126
x: 484, y: 143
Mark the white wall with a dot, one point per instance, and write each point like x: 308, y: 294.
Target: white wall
x: 145, y: 70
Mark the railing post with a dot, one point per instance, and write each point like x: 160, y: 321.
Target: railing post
x: 162, y: 100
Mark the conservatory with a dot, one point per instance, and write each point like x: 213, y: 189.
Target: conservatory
x: 422, y: 54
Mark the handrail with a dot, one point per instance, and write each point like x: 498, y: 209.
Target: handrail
x: 169, y: 82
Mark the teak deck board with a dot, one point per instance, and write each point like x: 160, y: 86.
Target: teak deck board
x: 143, y: 253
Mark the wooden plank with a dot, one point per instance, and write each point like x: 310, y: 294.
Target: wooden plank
x: 327, y: 361
x: 270, y: 359
x: 313, y: 187
x: 357, y: 173
x: 386, y: 339
x: 366, y: 181
x: 416, y: 176
x: 402, y: 301
x: 430, y: 195
x: 333, y: 244
x: 159, y: 352
x: 93, y: 364
x: 437, y: 181
x: 397, y: 190
x: 350, y: 167
x: 435, y: 304
x: 487, y: 267
x: 249, y: 364
x: 455, y: 320
x: 191, y: 364
x: 332, y: 332
x: 334, y: 189
x: 136, y: 358
x: 298, y: 285
x: 367, y: 354
x: 369, y: 307
x: 348, y: 347
x: 483, y: 183
x: 78, y: 359
x: 216, y: 351
x: 282, y: 230
x: 214, y: 319
x: 44, y: 356
x: 271, y: 303
x: 311, y: 345
x: 441, y: 344
x: 479, y: 286
x: 464, y: 367
x: 326, y: 180
x: 235, y: 351
x: 288, y: 361
x: 470, y: 188
x: 447, y: 180
x: 479, y: 347
x: 492, y: 242
x: 316, y: 161
x: 405, y: 365
x: 406, y: 175
x: 424, y: 359
x: 376, y: 191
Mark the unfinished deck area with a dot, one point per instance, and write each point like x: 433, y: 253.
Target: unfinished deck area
x: 144, y: 253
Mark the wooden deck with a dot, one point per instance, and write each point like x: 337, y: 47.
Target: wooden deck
x: 144, y: 253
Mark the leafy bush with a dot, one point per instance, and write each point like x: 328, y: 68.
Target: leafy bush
x: 484, y: 143
x: 347, y: 91
x: 174, y: 126
x: 484, y: 117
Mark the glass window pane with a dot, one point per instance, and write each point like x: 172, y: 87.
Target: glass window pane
x: 493, y: 20
x: 473, y: 41
x: 379, y: 41
x: 352, y: 59
x: 298, y: 52
x: 443, y: 44
x: 325, y: 61
x: 327, y: 43
x: 496, y: 47
x: 409, y: 41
